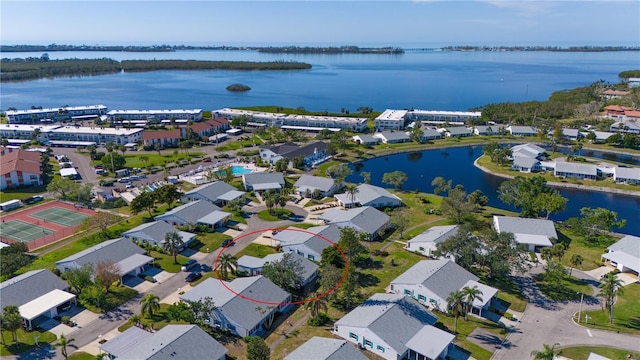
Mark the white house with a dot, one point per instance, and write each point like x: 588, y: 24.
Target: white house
x: 528, y: 150
x: 196, y: 212
x: 425, y: 243
x: 365, y: 139
x: 129, y: 257
x: 311, y: 154
x: 154, y: 233
x: 253, y: 265
x: 526, y: 165
x: 392, y: 137
x: 172, y: 341
x: 521, y: 130
x: 624, y: 255
x: 486, y: 130
x: 263, y: 181
x: 218, y: 192
x: 534, y: 233
x: 626, y: 175
x: 369, y: 195
x: 244, y: 305
x: 394, y: 327
x: 307, y: 185
x: 320, y: 348
x: 432, y: 281
x: 307, y: 243
x: 575, y: 170
x: 458, y: 131
x: 366, y: 219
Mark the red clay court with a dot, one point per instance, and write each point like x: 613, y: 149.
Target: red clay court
x: 43, y: 224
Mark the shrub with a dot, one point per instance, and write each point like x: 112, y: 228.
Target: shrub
x: 508, y: 316
x: 150, y: 279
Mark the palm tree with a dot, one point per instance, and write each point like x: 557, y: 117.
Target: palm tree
x: 172, y: 244
x: 226, y: 264
x: 576, y: 259
x: 351, y: 190
x: 316, y: 304
x: 610, y: 287
x: 270, y: 200
x: 455, y: 302
x: 547, y: 353
x: 150, y: 303
x: 470, y: 295
x: 11, y: 320
x: 63, y: 342
x: 1, y: 329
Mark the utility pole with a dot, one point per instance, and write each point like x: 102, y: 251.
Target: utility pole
x: 580, y: 310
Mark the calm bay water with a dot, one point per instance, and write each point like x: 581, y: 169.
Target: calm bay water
x: 456, y: 164
x: 419, y: 79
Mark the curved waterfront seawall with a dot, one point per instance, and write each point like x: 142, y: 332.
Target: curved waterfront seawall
x: 564, y: 185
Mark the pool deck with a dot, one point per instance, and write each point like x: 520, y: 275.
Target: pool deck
x: 199, y: 177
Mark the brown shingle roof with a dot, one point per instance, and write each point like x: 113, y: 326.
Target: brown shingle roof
x: 20, y: 160
x: 165, y: 134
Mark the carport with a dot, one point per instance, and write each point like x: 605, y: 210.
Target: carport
x: 45, y: 305
x: 215, y: 219
x: 623, y: 262
x: 133, y: 265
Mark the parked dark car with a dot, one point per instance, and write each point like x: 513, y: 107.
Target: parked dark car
x: 193, y: 276
x: 191, y: 263
x: 228, y: 242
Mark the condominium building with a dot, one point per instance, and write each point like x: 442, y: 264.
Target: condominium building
x: 296, y: 121
x: 62, y: 135
x: 154, y: 115
x: 36, y: 116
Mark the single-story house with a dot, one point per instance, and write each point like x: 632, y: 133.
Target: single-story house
x: 218, y: 192
x: 129, y: 257
x: 306, y: 185
x: 392, y: 137
x: 626, y: 175
x: 263, y: 181
x: 575, y: 170
x: 430, y: 134
x: 365, y: 139
x: 526, y: 165
x: 196, y: 212
x: 486, y: 130
x: 571, y: 134
x: 321, y: 348
x: 521, y: 130
x: 626, y: 126
x: 253, y: 265
x: 432, y: 281
x: 602, y: 136
x: 458, y: 131
x: 39, y: 295
x: 369, y: 195
x: 624, y: 255
x: 305, y: 243
x: 364, y: 219
x: 426, y: 242
x: 393, y: 327
x: 154, y: 232
x: 532, y: 151
x: 312, y: 153
x: 172, y: 341
x: 252, y: 303
x: 535, y: 233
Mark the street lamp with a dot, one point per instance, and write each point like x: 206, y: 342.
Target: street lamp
x: 580, y: 309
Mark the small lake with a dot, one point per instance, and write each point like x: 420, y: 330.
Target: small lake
x: 457, y: 164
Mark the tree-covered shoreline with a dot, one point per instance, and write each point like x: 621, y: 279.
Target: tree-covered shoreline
x: 41, y: 68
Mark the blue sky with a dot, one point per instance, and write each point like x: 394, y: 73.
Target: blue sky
x: 375, y: 23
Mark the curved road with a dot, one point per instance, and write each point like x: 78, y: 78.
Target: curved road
x: 550, y: 322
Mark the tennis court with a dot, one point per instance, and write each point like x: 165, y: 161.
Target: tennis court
x: 21, y: 231
x: 60, y: 216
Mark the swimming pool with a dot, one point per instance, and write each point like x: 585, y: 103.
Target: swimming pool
x: 236, y: 170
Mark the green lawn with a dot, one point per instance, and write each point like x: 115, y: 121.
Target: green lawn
x: 81, y: 355
x: 158, y: 321
x: 256, y: 250
x: 275, y: 215
x: 465, y: 328
x: 134, y: 161
x: 582, y: 352
x: 568, y: 289
x: 626, y: 313
x: 26, y: 341
x: 376, y: 277
x: 21, y: 193
x: 116, y: 296
x: 165, y: 261
x: 590, y: 252
x: 509, y: 293
x: 208, y: 242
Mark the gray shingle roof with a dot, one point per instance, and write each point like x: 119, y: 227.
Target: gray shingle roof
x: 442, y: 277
x: 291, y: 150
x: 458, y: 130
x: 122, y: 343
x: 626, y: 173
x: 175, y: 342
x: 575, y: 168
x: 530, y: 147
x: 213, y: 191
x: 241, y: 309
x: 365, y: 218
x: 155, y: 231
x: 314, y: 182
x: 438, y: 341
x: 394, y: 135
x: 294, y: 236
x: 517, y: 225
x: 320, y: 348
x: 366, y: 138
x: 392, y: 317
x: 629, y: 244
x: 309, y: 267
x: 525, y: 162
x: 436, y: 234
x: 522, y: 129
x: 114, y: 250
x: 369, y: 194
x: 263, y: 178
x: 190, y: 212
x: 31, y: 285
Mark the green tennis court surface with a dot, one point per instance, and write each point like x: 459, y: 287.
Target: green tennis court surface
x: 21, y: 231
x: 60, y: 216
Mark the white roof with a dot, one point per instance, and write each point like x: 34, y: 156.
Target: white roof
x: 133, y: 262
x: 393, y: 115
x: 153, y: 112
x: 45, y: 110
x: 625, y: 259
x: 537, y: 240
x: 44, y: 303
x: 488, y: 292
x: 626, y: 173
x: 67, y: 172
x: 30, y: 128
x: 438, y: 341
x: 94, y: 130
x: 266, y: 186
x: 446, y: 113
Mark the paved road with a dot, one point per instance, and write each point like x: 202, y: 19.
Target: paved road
x: 548, y: 322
